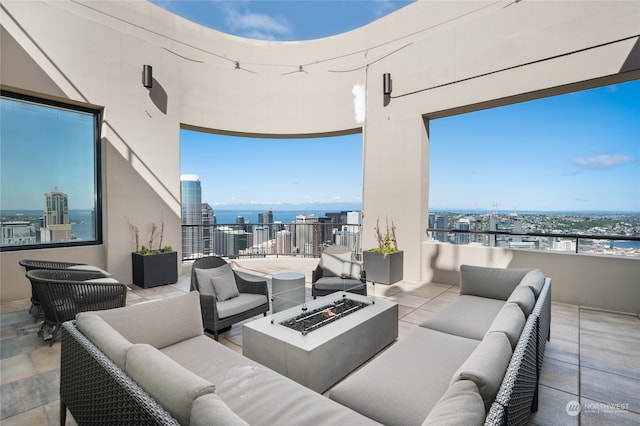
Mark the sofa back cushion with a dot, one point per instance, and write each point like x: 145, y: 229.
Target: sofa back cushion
x: 534, y: 280
x: 105, y: 337
x: 495, y: 283
x: 510, y: 321
x: 159, y: 323
x: 486, y: 366
x: 170, y: 384
x: 524, y: 298
x: 461, y: 404
x: 210, y: 410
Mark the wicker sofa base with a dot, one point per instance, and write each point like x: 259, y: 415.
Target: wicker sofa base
x: 96, y: 391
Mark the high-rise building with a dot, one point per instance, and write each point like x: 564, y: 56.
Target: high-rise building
x: 439, y: 221
x: 191, y: 200
x: 208, y: 223
x: 463, y: 224
x: 307, y: 234
x: 57, y: 226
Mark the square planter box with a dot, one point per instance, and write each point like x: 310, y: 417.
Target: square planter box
x: 155, y: 269
x: 383, y: 268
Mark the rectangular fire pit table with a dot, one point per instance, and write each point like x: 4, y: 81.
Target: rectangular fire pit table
x: 321, y: 357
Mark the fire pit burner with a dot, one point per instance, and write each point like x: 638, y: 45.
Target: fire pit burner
x: 312, y: 320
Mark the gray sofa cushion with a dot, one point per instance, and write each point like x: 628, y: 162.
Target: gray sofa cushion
x: 467, y: 316
x: 242, y: 303
x: 173, y: 319
x: 510, y: 321
x: 257, y: 394
x: 170, y: 384
x: 486, y: 366
x: 534, y: 280
x: 495, y: 283
x: 523, y: 297
x: 460, y: 405
x: 210, y: 410
x: 401, y: 386
x: 105, y: 337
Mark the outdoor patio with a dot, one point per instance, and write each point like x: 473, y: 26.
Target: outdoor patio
x: 592, y: 357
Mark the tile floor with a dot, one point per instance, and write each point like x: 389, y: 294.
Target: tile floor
x: 593, y: 358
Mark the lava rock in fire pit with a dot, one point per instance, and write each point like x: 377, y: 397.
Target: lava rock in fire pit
x: 312, y: 320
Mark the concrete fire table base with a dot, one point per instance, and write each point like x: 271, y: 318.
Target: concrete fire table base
x: 323, y: 356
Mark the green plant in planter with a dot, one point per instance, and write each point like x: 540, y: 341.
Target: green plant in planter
x: 387, y: 242
x: 154, y: 234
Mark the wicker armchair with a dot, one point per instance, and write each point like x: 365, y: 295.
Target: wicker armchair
x: 211, y: 319
x: 34, y: 264
x: 64, y: 293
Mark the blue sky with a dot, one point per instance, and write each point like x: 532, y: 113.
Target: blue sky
x: 574, y: 152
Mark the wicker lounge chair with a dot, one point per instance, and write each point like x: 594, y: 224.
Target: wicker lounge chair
x: 34, y: 264
x: 247, y: 304
x: 64, y: 293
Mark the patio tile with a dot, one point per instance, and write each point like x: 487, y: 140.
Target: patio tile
x: 28, y: 393
x: 596, y: 414
x: 604, y: 354
x: 562, y: 350
x: 559, y: 375
x: 553, y: 408
x: 612, y: 388
x: 418, y: 316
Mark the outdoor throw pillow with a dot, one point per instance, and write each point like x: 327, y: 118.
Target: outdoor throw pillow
x: 224, y: 283
x: 204, y: 276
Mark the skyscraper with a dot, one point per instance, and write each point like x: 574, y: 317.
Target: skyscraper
x: 191, y: 200
x: 463, y: 224
x: 56, y: 217
x: 208, y: 222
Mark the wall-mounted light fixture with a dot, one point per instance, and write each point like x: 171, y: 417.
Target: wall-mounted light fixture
x: 386, y: 88
x: 147, y: 76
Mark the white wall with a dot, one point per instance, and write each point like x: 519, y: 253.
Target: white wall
x: 92, y: 52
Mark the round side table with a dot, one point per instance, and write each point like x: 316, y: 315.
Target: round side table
x: 287, y: 290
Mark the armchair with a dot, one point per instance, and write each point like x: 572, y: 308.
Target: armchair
x: 226, y: 298
x: 64, y: 293
x: 34, y: 264
x: 337, y: 271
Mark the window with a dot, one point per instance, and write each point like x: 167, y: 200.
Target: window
x: 49, y: 174
x: 565, y: 166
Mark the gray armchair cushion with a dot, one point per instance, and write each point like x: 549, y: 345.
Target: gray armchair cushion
x: 461, y: 404
x: 336, y: 262
x: 105, y: 337
x: 534, y: 280
x: 210, y: 410
x: 170, y: 384
x: 159, y: 323
x: 223, y: 281
x: 242, y: 303
x: 523, y: 297
x: 495, y: 283
x: 89, y: 268
x: 338, y: 284
x: 486, y: 366
x: 105, y: 280
x: 510, y: 321
x: 205, y: 285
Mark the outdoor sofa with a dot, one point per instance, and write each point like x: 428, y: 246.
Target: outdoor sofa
x: 476, y: 361
x: 152, y: 364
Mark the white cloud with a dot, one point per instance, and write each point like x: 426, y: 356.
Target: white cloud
x: 601, y: 162
x: 359, y: 102
x: 257, y: 25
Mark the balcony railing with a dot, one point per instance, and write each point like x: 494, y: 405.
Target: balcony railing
x: 621, y: 245
x: 269, y: 239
